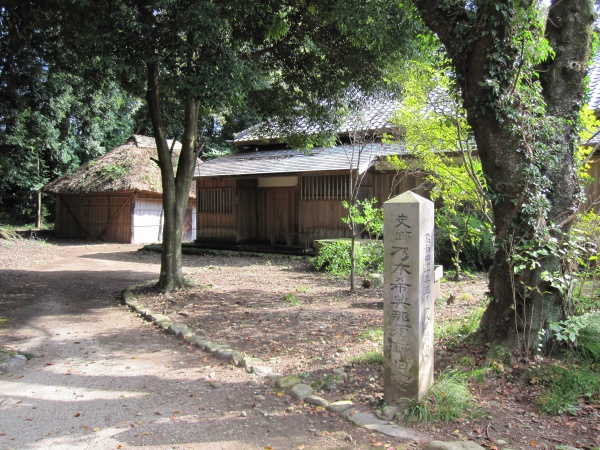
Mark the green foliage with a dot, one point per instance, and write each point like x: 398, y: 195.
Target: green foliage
x: 51, y: 119
x: 477, y: 253
x: 366, y: 215
x: 8, y: 233
x: 205, y: 59
x: 292, y: 299
x: 114, y: 171
x: 448, y: 399
x: 334, y: 257
x: 437, y: 134
x: 480, y: 374
x: 578, y: 281
x: 439, y: 138
x: 372, y: 357
x: 506, y: 74
x: 567, y: 385
x: 588, y: 342
x: 580, y: 333
x: 373, y: 334
x: 586, y: 242
x: 453, y: 331
x: 567, y: 331
x: 215, y: 150
x: 589, y: 126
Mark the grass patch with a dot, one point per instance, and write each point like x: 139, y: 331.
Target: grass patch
x: 448, y: 399
x: 291, y: 299
x: 302, y: 289
x: 372, y: 334
x: 26, y: 227
x: 588, y: 341
x: 481, y: 374
x: 567, y: 384
x: 373, y: 357
x: 8, y: 234
x: 454, y: 330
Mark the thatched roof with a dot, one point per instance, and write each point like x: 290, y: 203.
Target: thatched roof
x: 128, y: 167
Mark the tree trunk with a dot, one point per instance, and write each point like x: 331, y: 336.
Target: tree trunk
x: 456, y: 262
x: 352, y: 260
x: 532, y: 184
x: 176, y: 188
x: 38, y: 209
x: 38, y: 214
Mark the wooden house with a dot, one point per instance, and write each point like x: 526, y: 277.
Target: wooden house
x: 267, y: 193
x: 273, y: 195
x: 117, y: 197
x: 592, y: 188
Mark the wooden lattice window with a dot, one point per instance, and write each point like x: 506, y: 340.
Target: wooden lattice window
x: 215, y: 200
x: 326, y: 187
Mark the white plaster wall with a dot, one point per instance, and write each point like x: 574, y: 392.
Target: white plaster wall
x: 147, y: 221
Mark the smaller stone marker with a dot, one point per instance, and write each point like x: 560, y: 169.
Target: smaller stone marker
x: 408, y: 298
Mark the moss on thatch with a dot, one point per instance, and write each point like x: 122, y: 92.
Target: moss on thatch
x: 129, y: 167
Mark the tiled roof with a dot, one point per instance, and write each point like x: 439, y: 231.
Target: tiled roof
x: 594, y: 87
x: 289, y: 161
x: 594, y: 140
x: 375, y: 116
x: 594, y: 96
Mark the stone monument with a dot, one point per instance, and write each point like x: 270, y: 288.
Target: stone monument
x: 408, y: 298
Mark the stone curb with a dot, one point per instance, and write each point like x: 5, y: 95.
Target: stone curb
x: 344, y: 409
x: 182, y: 331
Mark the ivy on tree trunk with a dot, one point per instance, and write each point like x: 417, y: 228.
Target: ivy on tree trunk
x: 525, y: 128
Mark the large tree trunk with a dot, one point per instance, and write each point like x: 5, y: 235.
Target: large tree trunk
x: 532, y: 182
x: 176, y: 187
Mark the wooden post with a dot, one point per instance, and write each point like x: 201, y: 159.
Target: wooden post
x: 408, y: 298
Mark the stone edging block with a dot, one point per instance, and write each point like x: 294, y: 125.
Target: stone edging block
x: 222, y: 351
x: 182, y: 331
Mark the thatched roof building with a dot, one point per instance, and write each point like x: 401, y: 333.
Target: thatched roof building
x: 129, y: 167
x: 117, y: 197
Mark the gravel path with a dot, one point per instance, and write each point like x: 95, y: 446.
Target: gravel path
x: 101, y: 378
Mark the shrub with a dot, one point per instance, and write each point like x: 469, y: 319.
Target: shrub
x: 334, y: 257
x: 581, y: 334
x: 587, y: 243
x: 477, y: 254
x: 588, y: 344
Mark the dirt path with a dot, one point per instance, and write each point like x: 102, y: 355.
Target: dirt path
x: 101, y: 378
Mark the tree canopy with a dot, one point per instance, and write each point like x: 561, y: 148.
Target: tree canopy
x: 520, y: 72
x: 518, y: 69
x: 197, y: 59
x: 51, y: 120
